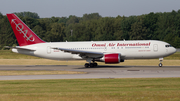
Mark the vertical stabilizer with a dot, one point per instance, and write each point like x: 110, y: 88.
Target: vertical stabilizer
x: 24, y: 35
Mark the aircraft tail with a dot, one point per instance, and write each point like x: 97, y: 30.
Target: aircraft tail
x: 24, y: 35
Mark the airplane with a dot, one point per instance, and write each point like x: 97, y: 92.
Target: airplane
x: 110, y: 52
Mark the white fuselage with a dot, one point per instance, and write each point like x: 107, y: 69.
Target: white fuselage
x: 137, y: 49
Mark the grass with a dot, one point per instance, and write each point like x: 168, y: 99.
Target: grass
x: 143, y: 89
x: 3, y: 73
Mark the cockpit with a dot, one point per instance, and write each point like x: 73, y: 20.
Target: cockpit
x: 168, y: 46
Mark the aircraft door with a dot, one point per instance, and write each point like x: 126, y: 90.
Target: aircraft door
x: 49, y: 50
x: 155, y: 47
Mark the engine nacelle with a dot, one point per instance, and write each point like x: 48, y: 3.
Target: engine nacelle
x: 111, y: 58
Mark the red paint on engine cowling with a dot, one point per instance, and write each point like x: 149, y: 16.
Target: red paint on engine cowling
x: 112, y: 58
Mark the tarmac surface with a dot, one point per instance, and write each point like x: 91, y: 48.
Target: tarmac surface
x: 96, y: 72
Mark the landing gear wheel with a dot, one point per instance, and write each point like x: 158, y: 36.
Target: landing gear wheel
x: 161, y: 60
x: 86, y: 65
x: 95, y: 64
x: 160, y: 64
x: 91, y: 64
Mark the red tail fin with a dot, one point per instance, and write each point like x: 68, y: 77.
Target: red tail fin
x: 24, y: 35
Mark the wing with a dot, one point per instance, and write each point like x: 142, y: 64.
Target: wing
x: 82, y: 53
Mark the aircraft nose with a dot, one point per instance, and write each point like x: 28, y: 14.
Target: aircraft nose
x: 174, y: 50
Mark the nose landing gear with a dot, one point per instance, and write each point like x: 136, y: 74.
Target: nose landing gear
x: 160, y: 64
x: 161, y: 60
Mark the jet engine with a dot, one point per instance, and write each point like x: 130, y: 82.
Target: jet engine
x: 112, y: 58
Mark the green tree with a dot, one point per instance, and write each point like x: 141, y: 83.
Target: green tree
x: 1, y: 15
x: 91, y: 16
x: 105, y: 29
x: 28, y: 14
x: 7, y: 38
x: 118, y: 32
x: 56, y: 34
x: 39, y: 31
x: 63, y: 20
x: 72, y: 20
x: 138, y: 31
x: 30, y: 22
x: 149, y: 22
x: 126, y: 26
x: 176, y: 42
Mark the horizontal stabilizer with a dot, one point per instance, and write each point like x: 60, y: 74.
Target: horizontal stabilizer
x: 19, y: 48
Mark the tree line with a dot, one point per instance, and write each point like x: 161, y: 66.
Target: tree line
x: 93, y: 27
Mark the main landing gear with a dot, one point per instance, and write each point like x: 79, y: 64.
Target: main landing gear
x: 91, y: 65
x: 161, y: 60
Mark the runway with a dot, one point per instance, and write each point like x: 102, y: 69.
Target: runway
x: 96, y: 72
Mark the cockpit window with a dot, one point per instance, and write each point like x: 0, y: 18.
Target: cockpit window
x: 168, y: 46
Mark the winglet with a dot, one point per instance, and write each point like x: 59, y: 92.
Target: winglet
x: 24, y: 35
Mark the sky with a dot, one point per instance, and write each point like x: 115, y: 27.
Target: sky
x: 105, y: 8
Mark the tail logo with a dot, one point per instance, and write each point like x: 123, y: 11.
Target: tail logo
x: 20, y: 29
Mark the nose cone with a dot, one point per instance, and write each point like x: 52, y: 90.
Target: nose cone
x: 171, y: 50
x: 174, y: 50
